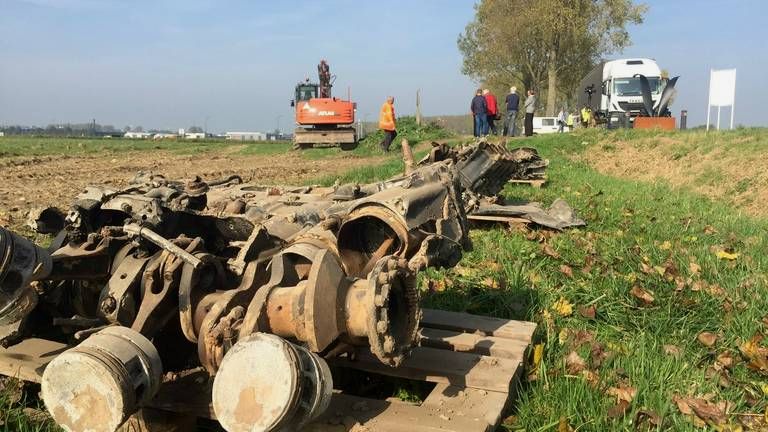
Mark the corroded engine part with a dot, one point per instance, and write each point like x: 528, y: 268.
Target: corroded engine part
x: 21, y: 262
x: 268, y: 384
x: 310, y: 299
x: 98, y: 384
x: 400, y: 217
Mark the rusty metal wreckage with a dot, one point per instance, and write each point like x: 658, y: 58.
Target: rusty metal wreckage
x: 258, y: 285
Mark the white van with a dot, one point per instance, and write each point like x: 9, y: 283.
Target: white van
x: 546, y: 125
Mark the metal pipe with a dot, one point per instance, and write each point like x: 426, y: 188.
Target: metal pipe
x: 162, y: 242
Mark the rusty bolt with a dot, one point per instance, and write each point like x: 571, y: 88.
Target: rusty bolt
x: 108, y: 305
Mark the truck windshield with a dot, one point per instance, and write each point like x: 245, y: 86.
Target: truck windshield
x: 631, y: 86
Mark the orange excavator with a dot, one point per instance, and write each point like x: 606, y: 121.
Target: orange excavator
x: 323, y: 120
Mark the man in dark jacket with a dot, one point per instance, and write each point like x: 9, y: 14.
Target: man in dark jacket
x: 513, y: 104
x: 479, y: 108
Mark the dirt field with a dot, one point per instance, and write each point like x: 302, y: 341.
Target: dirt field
x: 27, y: 182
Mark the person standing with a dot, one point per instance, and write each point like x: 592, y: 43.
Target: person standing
x: 387, y: 123
x: 569, y: 121
x: 586, y: 116
x: 530, y: 108
x: 513, y: 104
x: 479, y: 108
x: 561, y: 121
x: 493, y: 110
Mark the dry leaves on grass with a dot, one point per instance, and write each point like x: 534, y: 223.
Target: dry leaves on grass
x: 756, y: 355
x: 536, y: 357
x: 725, y: 255
x: 588, y: 312
x: 547, y: 250
x: 624, y: 396
x: 645, y: 298
x: 566, y: 270
x: 672, y: 351
x: 574, y: 364
x: 646, y: 419
x: 563, y: 307
x: 703, y: 412
x: 707, y: 339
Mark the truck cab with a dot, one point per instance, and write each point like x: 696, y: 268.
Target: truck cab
x: 613, y: 90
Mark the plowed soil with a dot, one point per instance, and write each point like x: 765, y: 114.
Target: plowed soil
x: 28, y: 182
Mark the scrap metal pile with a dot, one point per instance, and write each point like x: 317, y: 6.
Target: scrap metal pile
x: 258, y: 285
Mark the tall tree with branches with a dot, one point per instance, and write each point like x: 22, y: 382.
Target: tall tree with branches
x: 530, y: 42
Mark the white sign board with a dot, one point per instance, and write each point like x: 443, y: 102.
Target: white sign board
x: 722, y: 87
x: 722, y: 92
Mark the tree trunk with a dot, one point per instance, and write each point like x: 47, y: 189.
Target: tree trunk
x: 552, y: 83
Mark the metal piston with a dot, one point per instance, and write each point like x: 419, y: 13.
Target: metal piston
x: 268, y: 384
x: 97, y: 385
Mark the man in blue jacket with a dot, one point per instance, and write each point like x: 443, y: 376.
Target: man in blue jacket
x: 479, y: 110
x: 513, y: 104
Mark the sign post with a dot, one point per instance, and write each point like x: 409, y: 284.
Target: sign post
x: 722, y: 92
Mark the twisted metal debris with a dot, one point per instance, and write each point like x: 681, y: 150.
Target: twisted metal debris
x: 255, y: 284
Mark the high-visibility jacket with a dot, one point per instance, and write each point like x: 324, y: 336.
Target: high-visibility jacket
x: 585, y: 115
x: 387, y: 117
x: 569, y: 120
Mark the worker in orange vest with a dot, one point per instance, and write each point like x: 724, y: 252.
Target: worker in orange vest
x: 387, y: 123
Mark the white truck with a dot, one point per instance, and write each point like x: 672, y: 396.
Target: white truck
x: 613, y: 90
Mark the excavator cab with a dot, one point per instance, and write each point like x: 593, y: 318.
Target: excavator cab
x: 305, y: 92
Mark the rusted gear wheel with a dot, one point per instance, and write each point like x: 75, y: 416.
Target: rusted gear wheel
x: 393, y: 321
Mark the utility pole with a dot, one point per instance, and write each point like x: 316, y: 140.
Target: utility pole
x: 418, y: 107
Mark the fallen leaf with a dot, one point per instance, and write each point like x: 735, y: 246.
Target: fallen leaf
x: 645, y: 268
x: 622, y: 393
x: 709, y: 229
x: 694, y: 268
x: 566, y: 270
x: 538, y: 355
x: 563, y: 307
x: 598, y: 354
x: 707, y: 339
x: 756, y: 355
x: 647, y: 419
x: 641, y: 295
x: 436, y: 285
x: 495, y: 283
x: 588, y: 312
x: 563, y: 336
x: 702, y: 412
x: 725, y: 359
x: 548, y: 251
x: 592, y: 378
x: 672, y: 350
x: 727, y: 255
x: 619, y: 410
x: 563, y: 426
x: 574, y: 364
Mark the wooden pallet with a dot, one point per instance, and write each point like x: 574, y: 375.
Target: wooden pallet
x: 537, y: 183
x: 476, y: 363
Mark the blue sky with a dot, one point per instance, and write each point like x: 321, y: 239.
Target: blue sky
x: 174, y: 63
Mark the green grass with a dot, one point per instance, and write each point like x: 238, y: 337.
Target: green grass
x: 628, y: 222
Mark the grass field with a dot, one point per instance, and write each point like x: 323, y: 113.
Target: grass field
x: 650, y: 316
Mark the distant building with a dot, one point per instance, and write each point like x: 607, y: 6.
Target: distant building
x: 246, y: 136
x: 194, y: 135
x: 2, y: 133
x: 161, y: 135
x: 139, y: 135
